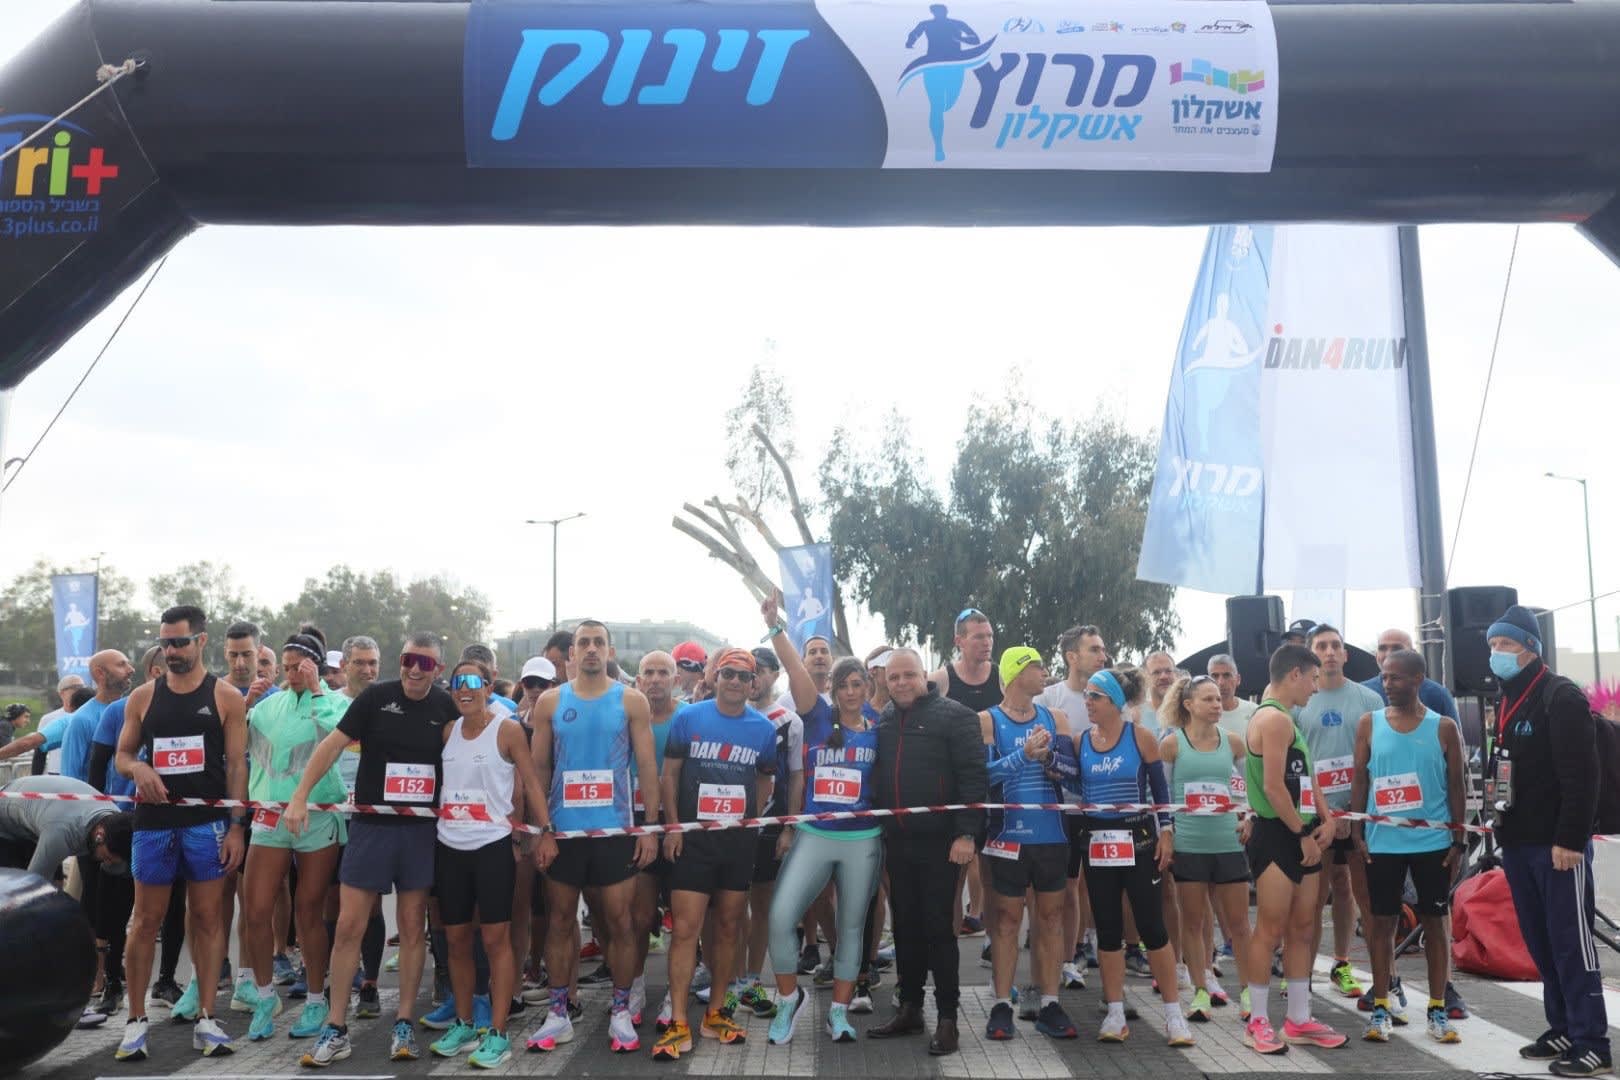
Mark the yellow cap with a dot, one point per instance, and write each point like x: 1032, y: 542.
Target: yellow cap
x: 1016, y: 659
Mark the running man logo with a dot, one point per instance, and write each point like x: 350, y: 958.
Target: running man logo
x: 56, y: 165
x: 1336, y: 353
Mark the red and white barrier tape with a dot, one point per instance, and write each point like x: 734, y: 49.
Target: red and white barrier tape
x: 475, y: 813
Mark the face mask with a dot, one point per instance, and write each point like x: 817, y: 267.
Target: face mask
x: 1504, y: 665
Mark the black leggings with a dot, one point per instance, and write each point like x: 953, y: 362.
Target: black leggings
x: 1108, y: 887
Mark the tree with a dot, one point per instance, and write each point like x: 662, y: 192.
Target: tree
x: 1040, y: 529
x: 458, y: 615
x: 28, y: 629
x: 348, y: 602
x: 759, y: 449
x: 214, y: 589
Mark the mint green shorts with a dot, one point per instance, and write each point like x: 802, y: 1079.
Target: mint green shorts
x: 326, y: 827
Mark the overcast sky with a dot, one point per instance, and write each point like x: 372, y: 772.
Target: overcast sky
x: 403, y: 398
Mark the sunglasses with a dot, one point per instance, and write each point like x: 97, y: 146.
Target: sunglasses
x: 418, y: 661
x: 466, y: 681
x: 1196, y: 679
x: 734, y: 675
x: 968, y: 613
x: 177, y: 642
x: 535, y: 682
x: 689, y: 665
x: 1098, y: 695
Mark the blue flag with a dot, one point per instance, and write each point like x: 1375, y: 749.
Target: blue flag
x: 73, y: 607
x: 1205, y: 515
x: 807, y: 592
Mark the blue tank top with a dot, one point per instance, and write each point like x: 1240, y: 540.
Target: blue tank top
x: 1113, y: 776
x: 660, y: 732
x: 1031, y: 785
x: 1408, y: 777
x: 590, y: 761
x: 837, y: 777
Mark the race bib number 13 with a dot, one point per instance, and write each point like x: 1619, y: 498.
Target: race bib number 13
x: 1112, y: 848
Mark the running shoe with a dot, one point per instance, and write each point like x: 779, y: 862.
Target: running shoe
x: 717, y: 1024
x: 283, y: 971
x: 1130, y: 1010
x: 984, y: 955
x: 455, y: 1041
x: 333, y: 1045
x: 110, y: 1001
x: 702, y: 979
x: 757, y: 1001
x: 1344, y: 980
x: 556, y: 1030
x: 1577, y: 1062
x: 823, y: 975
x: 311, y: 1019
x: 392, y: 963
x: 1054, y: 1023
x: 861, y: 1003
x: 1074, y: 977
x: 1217, y: 994
x: 368, y: 1006
x: 494, y: 1050
x: 90, y: 1018
x: 971, y: 927
x: 298, y: 991
x: 164, y: 992
x: 1379, y: 1028
x: 1549, y: 1046
x: 1114, y: 1029
x: 442, y: 1017
x: 1091, y: 955
x: 133, y: 1045
x: 638, y: 1000
x: 1183, y: 978
x: 1177, y: 1033
x: 1029, y: 1003
x: 675, y: 1041
x: 809, y: 960
x: 1440, y: 1029
x: 401, y: 1044
x: 189, y: 1007
x: 245, y: 998
x: 1198, y: 1011
x: 1136, y: 962
x: 1456, y: 1007
x: 1259, y: 1037
x: 591, y: 950
x: 263, y: 1024
x: 787, y: 1018
x: 1313, y: 1033
x: 210, y: 1038
x: 598, y: 977
x: 393, y: 941
x: 999, y: 1028
x: 838, y: 1025
x: 622, y: 1035
x: 665, y: 1012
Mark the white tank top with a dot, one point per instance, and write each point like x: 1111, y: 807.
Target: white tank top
x: 477, y: 797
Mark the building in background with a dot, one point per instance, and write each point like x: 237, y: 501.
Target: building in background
x: 632, y: 640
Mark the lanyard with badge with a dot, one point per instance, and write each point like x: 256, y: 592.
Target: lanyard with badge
x: 1499, y: 780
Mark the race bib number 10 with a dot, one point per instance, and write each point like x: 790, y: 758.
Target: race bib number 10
x: 838, y: 786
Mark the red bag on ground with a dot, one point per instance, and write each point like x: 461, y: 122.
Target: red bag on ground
x: 1485, y: 936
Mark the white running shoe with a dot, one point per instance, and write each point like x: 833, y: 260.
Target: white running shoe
x: 1074, y: 977
x: 1183, y: 978
x: 133, y: 1046
x: 1179, y: 1034
x: 210, y: 1038
x: 666, y: 1012
x: 622, y: 1035
x: 557, y: 1029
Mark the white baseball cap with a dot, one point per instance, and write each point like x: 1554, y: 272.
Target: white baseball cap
x: 334, y: 659
x: 540, y: 667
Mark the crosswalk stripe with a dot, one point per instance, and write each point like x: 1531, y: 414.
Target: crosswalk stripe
x: 1030, y: 1054
x: 1611, y: 997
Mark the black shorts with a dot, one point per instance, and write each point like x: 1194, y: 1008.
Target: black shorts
x: 478, y: 881
x: 711, y: 862
x: 593, y: 861
x: 1222, y: 868
x: 1272, y: 844
x: 1386, y: 882
x: 1077, y: 844
x: 1042, y: 867
x: 766, y: 864
x: 1342, y: 850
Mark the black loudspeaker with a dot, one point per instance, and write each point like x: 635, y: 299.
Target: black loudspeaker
x: 1469, y: 612
x: 1254, y: 629
x: 1549, y: 637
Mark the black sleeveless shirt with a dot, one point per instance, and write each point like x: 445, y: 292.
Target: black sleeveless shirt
x: 976, y: 696
x: 184, y: 739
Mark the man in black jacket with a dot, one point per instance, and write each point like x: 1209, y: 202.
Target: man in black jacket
x: 1545, y: 737
x: 930, y: 752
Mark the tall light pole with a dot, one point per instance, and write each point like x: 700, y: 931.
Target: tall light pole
x: 554, y: 523
x: 1591, y: 578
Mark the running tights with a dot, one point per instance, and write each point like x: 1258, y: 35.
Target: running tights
x: 816, y: 856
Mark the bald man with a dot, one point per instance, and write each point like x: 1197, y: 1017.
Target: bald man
x: 112, y: 675
x: 1432, y: 694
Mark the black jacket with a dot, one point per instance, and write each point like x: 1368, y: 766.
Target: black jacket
x: 927, y: 755
x: 1551, y: 741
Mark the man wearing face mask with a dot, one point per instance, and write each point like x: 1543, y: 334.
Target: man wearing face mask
x: 1545, y: 773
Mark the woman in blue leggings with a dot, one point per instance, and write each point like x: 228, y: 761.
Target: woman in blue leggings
x: 840, y: 747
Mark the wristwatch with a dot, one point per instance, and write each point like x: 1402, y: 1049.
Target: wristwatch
x: 241, y: 822
x: 548, y: 829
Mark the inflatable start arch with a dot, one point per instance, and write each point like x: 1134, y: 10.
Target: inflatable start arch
x: 821, y: 112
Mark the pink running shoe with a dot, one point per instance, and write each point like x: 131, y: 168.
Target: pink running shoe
x: 1258, y: 1036
x: 1313, y: 1033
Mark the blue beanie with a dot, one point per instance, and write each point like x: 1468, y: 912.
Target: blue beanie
x: 1518, y: 623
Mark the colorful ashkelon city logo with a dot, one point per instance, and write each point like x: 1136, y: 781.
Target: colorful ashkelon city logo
x: 1202, y: 71
x: 64, y: 163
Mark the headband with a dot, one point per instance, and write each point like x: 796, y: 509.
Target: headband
x: 1104, y: 680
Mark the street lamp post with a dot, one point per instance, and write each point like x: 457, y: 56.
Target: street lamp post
x: 554, y: 523
x: 1591, y: 578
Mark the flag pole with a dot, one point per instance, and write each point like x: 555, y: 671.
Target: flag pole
x: 1425, y: 464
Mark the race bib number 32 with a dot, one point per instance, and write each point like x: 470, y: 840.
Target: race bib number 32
x: 408, y: 783
x: 178, y: 755
x: 1402, y: 791
x: 721, y: 802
